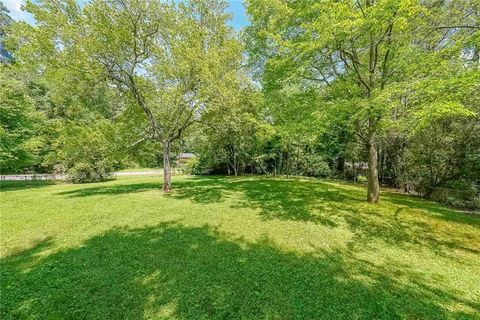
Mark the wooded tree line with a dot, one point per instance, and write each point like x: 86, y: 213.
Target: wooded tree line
x: 384, y: 90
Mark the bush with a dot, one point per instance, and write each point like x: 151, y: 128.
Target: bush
x: 85, y: 154
x: 19, y: 124
x: 461, y: 194
x: 313, y: 165
x: 361, y: 179
x: 196, y: 165
x: 89, y: 172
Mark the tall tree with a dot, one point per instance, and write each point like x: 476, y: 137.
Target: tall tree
x: 19, y: 123
x: 170, y: 61
x: 358, y: 49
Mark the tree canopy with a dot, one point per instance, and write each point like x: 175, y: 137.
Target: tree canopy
x: 381, y: 91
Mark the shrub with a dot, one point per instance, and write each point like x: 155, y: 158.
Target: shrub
x: 196, y: 165
x: 462, y: 194
x: 313, y: 165
x: 85, y: 154
x: 89, y: 172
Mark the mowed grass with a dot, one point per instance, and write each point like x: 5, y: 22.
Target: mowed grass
x: 233, y: 248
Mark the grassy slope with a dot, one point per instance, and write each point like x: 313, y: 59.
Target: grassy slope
x: 220, y: 248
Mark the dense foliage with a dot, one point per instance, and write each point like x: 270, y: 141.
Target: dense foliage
x: 388, y: 64
x: 18, y: 124
x: 381, y: 91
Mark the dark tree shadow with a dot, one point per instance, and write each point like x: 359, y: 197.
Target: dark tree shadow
x: 23, y: 184
x: 276, y: 198
x: 206, y: 189
x: 322, y: 203
x: 437, y: 210
x: 329, y: 205
x: 295, y: 200
x: 111, y: 190
x: 171, y: 271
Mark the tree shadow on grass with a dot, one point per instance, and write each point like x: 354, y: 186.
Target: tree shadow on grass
x: 25, y: 184
x: 200, y: 189
x: 295, y: 200
x: 437, y: 210
x: 174, y: 272
x: 203, y: 190
x: 331, y: 206
x: 111, y: 190
x: 276, y: 198
x: 322, y: 203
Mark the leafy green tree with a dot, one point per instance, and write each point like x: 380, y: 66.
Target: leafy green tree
x: 65, y: 100
x: 358, y: 51
x: 169, y: 60
x: 85, y: 153
x: 440, y: 126
x: 19, y: 124
x: 228, y: 134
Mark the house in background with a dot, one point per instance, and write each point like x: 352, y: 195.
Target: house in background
x: 182, y: 158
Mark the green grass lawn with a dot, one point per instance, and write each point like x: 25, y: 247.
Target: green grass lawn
x: 233, y: 248
x: 141, y: 170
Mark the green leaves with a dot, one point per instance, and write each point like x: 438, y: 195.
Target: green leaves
x: 85, y: 154
x: 440, y: 110
x: 19, y: 122
x: 152, y: 67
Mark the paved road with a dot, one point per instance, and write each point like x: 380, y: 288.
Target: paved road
x: 46, y: 176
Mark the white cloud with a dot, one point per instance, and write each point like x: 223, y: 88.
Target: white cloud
x: 16, y: 12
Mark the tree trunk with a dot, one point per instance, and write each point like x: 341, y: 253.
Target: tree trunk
x: 341, y: 163
x: 167, y: 173
x: 275, y: 167
x: 287, y: 160
x: 373, y: 188
x: 235, y: 163
x: 280, y: 163
x: 354, y: 167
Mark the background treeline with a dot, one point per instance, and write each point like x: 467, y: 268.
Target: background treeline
x: 370, y: 91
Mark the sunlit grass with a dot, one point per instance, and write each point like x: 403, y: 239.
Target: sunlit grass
x: 233, y: 248
x: 160, y: 170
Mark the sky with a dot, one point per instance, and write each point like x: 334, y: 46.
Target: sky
x: 236, y: 7
x: 14, y: 6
